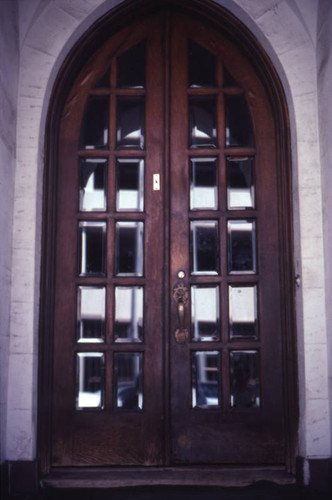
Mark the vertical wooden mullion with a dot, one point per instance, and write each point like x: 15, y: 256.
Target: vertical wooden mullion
x: 112, y: 121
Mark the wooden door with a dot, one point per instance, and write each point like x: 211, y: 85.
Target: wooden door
x: 226, y: 378
x: 167, y: 333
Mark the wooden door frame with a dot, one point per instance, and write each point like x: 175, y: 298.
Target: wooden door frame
x: 239, y: 35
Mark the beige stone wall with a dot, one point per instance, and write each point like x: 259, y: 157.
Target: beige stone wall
x: 324, y: 81
x: 9, y: 54
x: 287, y: 30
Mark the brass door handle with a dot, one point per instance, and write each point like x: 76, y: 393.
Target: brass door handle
x: 180, y: 295
x: 181, y: 314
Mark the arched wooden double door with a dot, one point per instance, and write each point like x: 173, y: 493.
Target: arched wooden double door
x: 167, y: 314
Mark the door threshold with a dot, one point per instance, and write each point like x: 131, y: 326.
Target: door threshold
x: 223, y: 476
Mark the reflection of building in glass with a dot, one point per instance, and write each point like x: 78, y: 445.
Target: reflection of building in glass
x: 91, y: 314
x: 89, y: 380
x: 128, y: 325
x: 205, y: 312
x: 245, y: 390
x: 128, y: 380
x: 206, y: 375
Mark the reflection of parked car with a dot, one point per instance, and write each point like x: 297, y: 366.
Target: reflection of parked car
x: 127, y: 397
x: 207, y: 394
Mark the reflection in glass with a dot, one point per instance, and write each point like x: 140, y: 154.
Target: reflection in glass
x: 241, y: 246
x: 202, y: 122
x: 104, y: 82
x: 128, y: 380
x: 90, y: 380
x: 238, y: 122
x: 130, y: 122
x: 131, y: 67
x: 128, y: 326
x: 245, y: 386
x: 243, y: 312
x: 92, y: 243
x: 229, y: 80
x: 202, y: 66
x: 130, y: 184
x: 129, y: 248
x: 205, y: 313
x: 204, y: 247
x: 91, y: 313
x: 93, y: 184
x: 94, y: 133
x: 203, y: 184
x: 205, y: 379
x: 240, y: 183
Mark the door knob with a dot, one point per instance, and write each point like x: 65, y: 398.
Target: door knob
x: 181, y: 296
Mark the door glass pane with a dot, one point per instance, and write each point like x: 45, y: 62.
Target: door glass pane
x: 205, y: 318
x: 130, y: 123
x: 131, y: 67
x: 90, y: 380
x: 238, y: 122
x: 202, y: 66
x: 240, y: 183
x: 91, y: 313
x: 128, y: 326
x: 94, y: 133
x: 203, y: 184
x: 92, y: 243
x: 245, y: 385
x: 229, y: 80
x: 243, y: 312
x: 104, y: 82
x: 205, y: 379
x: 241, y: 246
x: 93, y: 184
x: 204, y: 247
x: 202, y: 122
x: 130, y: 185
x: 129, y: 248
x: 128, y: 380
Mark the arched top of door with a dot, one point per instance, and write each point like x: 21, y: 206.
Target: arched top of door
x: 206, y: 12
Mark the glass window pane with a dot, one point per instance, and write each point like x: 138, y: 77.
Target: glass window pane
x: 229, y: 80
x: 94, y: 133
x: 90, y: 380
x: 241, y: 246
x: 205, y: 317
x: 202, y: 122
x: 238, y: 122
x: 128, y: 326
x: 130, y: 185
x: 243, y: 312
x: 129, y: 248
x: 130, y: 123
x: 128, y: 380
x: 104, y: 82
x: 91, y: 317
x: 204, y: 247
x: 92, y: 248
x: 245, y: 385
x: 93, y: 184
x: 131, y: 67
x: 203, y: 184
x: 202, y: 66
x: 205, y: 379
x: 240, y: 183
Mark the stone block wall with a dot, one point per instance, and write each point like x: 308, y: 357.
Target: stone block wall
x: 9, y: 57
